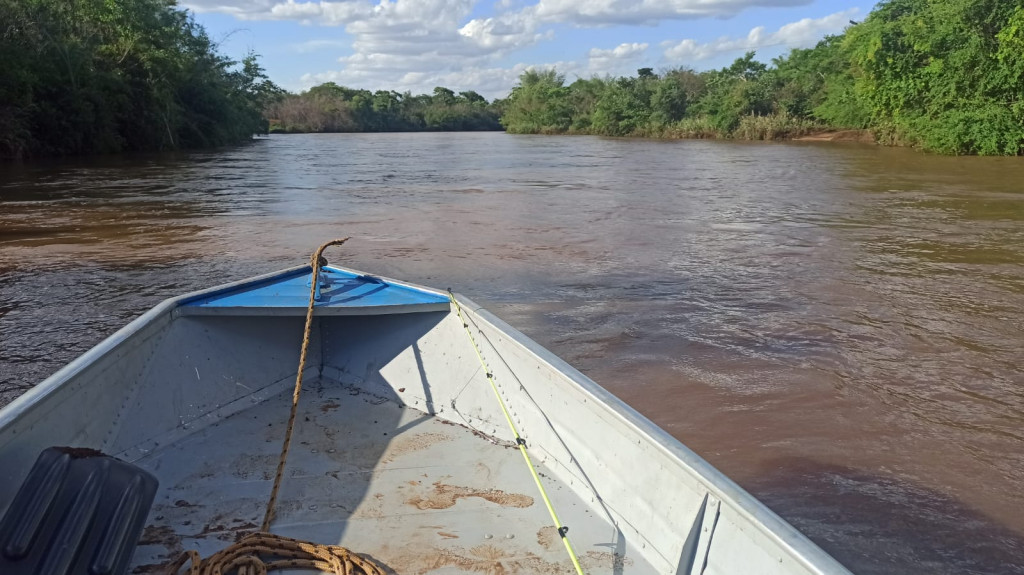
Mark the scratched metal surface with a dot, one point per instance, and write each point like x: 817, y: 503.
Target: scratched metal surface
x: 445, y: 499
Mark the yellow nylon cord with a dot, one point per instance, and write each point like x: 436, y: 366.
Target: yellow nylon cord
x: 562, y: 530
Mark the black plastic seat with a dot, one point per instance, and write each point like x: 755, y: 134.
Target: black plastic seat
x: 79, y: 512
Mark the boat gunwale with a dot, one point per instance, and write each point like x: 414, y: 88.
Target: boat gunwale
x: 769, y: 523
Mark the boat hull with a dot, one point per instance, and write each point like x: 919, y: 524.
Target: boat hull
x: 403, y: 451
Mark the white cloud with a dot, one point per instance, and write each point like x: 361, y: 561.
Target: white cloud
x: 325, y: 13
x: 808, y: 31
x: 237, y: 8
x: 393, y: 72
x: 801, y: 34
x: 620, y: 52
x: 576, y: 12
x: 316, y: 45
x: 616, y: 61
x: 504, y: 32
x: 650, y: 12
x: 491, y: 82
x: 417, y: 44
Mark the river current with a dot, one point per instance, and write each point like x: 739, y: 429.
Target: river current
x: 837, y: 327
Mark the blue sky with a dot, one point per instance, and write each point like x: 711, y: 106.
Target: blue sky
x: 484, y: 45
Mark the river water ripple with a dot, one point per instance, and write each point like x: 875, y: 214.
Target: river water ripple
x: 837, y: 327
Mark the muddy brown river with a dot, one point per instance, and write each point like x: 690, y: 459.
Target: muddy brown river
x: 838, y: 327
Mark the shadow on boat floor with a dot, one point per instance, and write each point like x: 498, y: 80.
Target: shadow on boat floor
x: 412, y: 491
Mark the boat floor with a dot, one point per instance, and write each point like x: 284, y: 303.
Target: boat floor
x: 414, y: 492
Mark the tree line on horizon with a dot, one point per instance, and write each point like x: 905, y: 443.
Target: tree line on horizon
x: 104, y: 76
x: 946, y: 76
x: 333, y: 108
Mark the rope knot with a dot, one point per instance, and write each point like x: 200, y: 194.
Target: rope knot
x: 318, y: 260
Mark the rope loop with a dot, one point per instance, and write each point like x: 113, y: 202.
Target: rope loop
x: 318, y: 260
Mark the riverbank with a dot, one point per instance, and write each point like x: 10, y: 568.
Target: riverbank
x: 763, y: 128
x: 857, y: 136
x: 758, y: 128
x: 904, y: 73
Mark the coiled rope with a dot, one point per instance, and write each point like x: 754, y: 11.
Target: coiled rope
x: 259, y: 553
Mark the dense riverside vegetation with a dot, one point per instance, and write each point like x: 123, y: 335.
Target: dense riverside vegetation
x: 333, y: 108
x: 944, y: 75
x: 97, y: 76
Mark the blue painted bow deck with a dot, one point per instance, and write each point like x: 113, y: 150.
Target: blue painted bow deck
x: 341, y: 293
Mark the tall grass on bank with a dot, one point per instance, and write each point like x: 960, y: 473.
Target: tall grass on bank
x: 774, y: 127
x: 699, y: 127
x: 780, y: 126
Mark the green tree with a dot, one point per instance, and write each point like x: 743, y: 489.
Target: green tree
x: 93, y: 76
x: 624, y: 107
x: 471, y: 97
x: 583, y: 96
x: 443, y: 96
x: 668, y: 101
x: 941, y: 73
x: 538, y: 104
x: 743, y: 88
x: 333, y: 108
